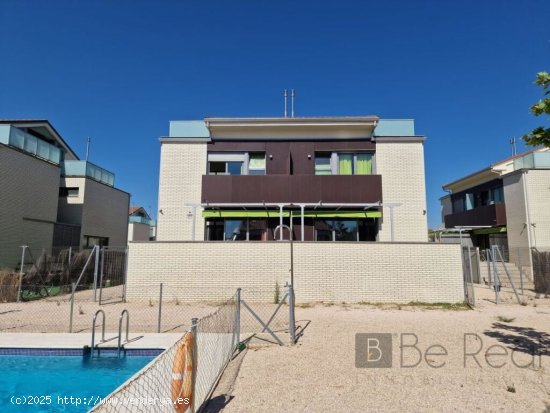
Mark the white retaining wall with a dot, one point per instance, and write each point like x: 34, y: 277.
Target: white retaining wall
x: 332, y: 272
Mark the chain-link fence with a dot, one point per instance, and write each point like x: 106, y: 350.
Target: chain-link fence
x: 186, y: 373
x: 541, y: 270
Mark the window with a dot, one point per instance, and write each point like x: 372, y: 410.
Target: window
x: 497, y: 195
x: 236, y: 163
x: 236, y: 230
x: 469, y: 201
x: 458, y: 205
x: 336, y: 230
x: 91, y: 241
x: 322, y: 164
x: 256, y: 164
x: 343, y: 163
x: 68, y: 192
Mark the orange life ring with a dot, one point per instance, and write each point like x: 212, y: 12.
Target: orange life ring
x: 182, y: 375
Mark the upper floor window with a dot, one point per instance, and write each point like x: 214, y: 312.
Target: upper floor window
x: 342, y: 163
x: 68, y: 192
x: 236, y: 163
x: 256, y: 164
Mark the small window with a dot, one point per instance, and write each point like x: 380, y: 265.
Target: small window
x: 322, y: 164
x: 497, y: 195
x: 91, y: 241
x: 68, y: 192
x: 469, y: 201
x: 256, y: 164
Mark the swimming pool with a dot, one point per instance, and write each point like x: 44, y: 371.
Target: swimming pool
x: 31, y: 375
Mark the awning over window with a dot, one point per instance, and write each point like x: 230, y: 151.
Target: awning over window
x: 295, y: 214
x: 496, y: 230
x: 243, y: 214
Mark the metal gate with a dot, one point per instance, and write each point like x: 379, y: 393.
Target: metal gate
x: 111, y: 280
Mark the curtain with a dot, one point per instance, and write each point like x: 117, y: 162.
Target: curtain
x: 364, y: 164
x: 345, y: 164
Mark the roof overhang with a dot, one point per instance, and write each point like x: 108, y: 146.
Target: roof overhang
x: 477, y: 178
x: 44, y: 128
x: 318, y: 128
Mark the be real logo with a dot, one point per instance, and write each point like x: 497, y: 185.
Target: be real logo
x: 375, y: 350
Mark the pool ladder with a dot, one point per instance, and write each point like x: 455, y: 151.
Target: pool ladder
x: 119, y: 337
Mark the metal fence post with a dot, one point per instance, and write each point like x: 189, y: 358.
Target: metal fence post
x: 478, y: 258
x: 194, y: 322
x: 520, y: 271
x: 291, y: 315
x: 238, y: 318
x: 160, y: 309
x: 488, y: 260
x: 101, y: 275
x: 72, y: 308
x: 21, y: 272
x: 96, y: 266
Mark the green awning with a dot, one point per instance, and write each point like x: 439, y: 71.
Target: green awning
x: 495, y: 230
x: 295, y: 214
x: 340, y: 214
x: 243, y: 214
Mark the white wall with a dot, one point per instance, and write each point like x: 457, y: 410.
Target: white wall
x: 401, y: 165
x: 335, y: 272
x: 181, y: 168
x: 538, y: 193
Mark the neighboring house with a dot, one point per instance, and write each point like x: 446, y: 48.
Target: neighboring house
x: 509, y: 202
x: 50, y: 198
x: 328, y: 178
x: 140, y: 225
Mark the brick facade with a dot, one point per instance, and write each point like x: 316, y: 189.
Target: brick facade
x: 331, y: 272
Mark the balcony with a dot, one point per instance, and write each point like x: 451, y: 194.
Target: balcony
x: 490, y: 215
x: 88, y: 169
x: 534, y: 160
x: 141, y: 220
x: 30, y: 144
x: 291, y: 188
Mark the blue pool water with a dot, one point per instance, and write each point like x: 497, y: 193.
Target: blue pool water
x: 57, y: 376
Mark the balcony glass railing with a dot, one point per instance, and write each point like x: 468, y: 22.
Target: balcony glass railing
x: 533, y: 161
x: 142, y: 220
x: 17, y: 138
x: 88, y: 169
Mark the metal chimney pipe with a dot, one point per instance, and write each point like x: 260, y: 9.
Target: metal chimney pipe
x: 286, y: 98
x: 292, y: 94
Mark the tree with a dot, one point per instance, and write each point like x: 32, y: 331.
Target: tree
x: 540, y: 135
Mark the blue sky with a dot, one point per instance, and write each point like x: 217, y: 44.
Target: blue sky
x: 119, y: 71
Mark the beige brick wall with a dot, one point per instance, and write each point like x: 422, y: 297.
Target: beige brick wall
x: 28, y: 192
x: 337, y: 272
x: 105, y: 213
x: 181, y: 168
x: 538, y: 192
x: 402, y: 168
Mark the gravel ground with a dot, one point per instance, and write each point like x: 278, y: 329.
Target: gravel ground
x: 51, y: 315
x: 319, y: 373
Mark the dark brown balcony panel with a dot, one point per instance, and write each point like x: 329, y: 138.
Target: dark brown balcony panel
x: 291, y: 188
x: 493, y: 215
